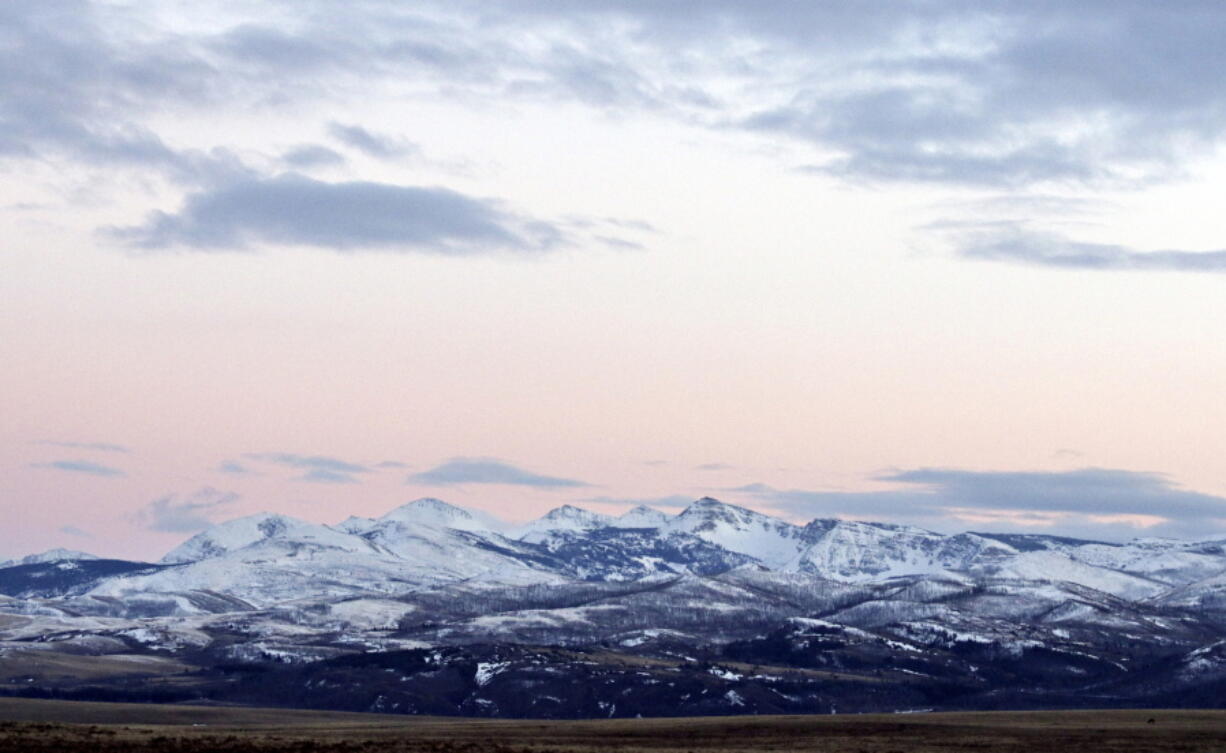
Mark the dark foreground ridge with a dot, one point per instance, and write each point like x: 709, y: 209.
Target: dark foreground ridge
x: 44, y: 726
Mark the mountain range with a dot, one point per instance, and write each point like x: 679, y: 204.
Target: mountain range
x: 717, y: 609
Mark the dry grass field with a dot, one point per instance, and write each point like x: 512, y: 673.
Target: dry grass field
x: 28, y: 726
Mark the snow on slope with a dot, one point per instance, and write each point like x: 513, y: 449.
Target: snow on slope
x: 1206, y: 593
x: 265, y: 558
x: 435, y: 513
x: 1161, y: 559
x: 356, y: 524
x: 854, y: 551
x: 772, y: 541
x: 1058, y: 567
x: 243, y: 532
x: 641, y: 517
x: 51, y: 555
x: 564, y: 518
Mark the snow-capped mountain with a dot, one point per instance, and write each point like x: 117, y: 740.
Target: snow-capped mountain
x: 51, y: 555
x: 641, y: 517
x: 245, y: 532
x: 771, y: 541
x: 915, y: 612
x: 564, y: 518
x: 264, y: 558
x: 435, y: 513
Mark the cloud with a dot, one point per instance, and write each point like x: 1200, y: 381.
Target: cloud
x: 76, y: 82
x: 324, y: 476
x: 319, y: 469
x: 996, y: 94
x: 371, y: 144
x: 310, y: 462
x: 184, y: 514
x: 275, y: 50
x: 1010, y: 243
x: 391, y: 464
x: 713, y: 467
x: 96, y: 446
x: 312, y: 155
x: 949, y: 91
x: 1097, y: 501
x: 755, y: 488
x: 81, y: 466
x: 488, y: 471
x: 293, y: 209
x: 74, y: 531
x: 234, y: 467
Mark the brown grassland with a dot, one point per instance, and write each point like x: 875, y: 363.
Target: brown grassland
x: 29, y: 726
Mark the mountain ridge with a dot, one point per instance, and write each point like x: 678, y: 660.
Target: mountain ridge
x: 447, y: 606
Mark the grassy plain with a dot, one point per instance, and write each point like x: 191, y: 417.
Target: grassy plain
x: 31, y: 726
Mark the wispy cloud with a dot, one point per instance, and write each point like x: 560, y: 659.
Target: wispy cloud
x: 312, y: 462
x: 488, y: 471
x: 185, y: 513
x: 317, y: 468
x: 306, y: 156
x: 983, y: 93
x: 325, y: 476
x: 95, y: 446
x: 1020, y: 246
x: 380, y: 146
x: 713, y: 467
x: 74, y: 531
x: 235, y: 468
x: 79, y: 84
x: 81, y: 466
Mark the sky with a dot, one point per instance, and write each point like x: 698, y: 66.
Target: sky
x: 954, y: 264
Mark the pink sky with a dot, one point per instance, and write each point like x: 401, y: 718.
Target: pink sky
x: 670, y: 264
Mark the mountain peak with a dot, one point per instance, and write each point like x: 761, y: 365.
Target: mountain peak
x: 572, y: 514
x: 641, y: 517
x: 739, y: 529
x: 237, y: 534
x: 564, y: 518
x: 430, y: 511
x: 709, y: 507
x: 50, y: 556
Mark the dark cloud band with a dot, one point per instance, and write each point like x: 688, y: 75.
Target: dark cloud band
x: 348, y: 217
